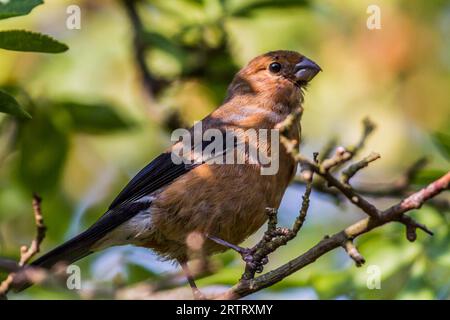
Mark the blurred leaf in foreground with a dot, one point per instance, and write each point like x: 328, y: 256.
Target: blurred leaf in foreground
x: 9, y: 105
x: 426, y: 176
x: 94, y: 118
x: 442, y: 140
x: 14, y: 8
x: 163, y: 43
x: 43, y: 153
x: 21, y: 40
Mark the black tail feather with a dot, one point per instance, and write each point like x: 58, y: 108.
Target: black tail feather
x: 81, y: 246
x: 67, y: 253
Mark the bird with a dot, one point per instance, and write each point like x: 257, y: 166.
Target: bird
x: 169, y: 200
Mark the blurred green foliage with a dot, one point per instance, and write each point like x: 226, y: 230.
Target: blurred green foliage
x: 20, y: 40
x: 9, y: 105
x: 442, y: 140
x: 93, y: 125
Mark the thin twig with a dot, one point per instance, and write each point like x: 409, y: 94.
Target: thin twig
x: 328, y: 149
x: 348, y: 173
x: 353, y: 253
x: 352, y: 151
x: 341, y: 156
x: 26, y: 253
x: 303, y: 210
x: 411, y: 227
x: 29, y: 252
x: 318, y: 168
x: 368, y: 129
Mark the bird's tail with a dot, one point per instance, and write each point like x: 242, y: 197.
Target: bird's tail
x: 67, y: 253
x: 82, y: 245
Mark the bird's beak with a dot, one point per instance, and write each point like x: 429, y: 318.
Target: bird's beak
x: 305, y: 70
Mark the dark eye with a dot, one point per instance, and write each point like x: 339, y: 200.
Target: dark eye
x: 274, y: 67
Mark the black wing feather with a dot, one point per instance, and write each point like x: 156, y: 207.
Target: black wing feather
x: 158, y: 173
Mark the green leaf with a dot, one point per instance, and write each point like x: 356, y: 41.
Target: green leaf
x: 94, y: 118
x: 442, y: 140
x: 249, y: 8
x: 21, y: 40
x: 157, y: 40
x: 14, y: 8
x: 9, y: 105
x: 426, y: 176
x: 43, y: 150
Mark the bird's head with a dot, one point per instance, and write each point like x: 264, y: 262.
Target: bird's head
x: 276, y: 74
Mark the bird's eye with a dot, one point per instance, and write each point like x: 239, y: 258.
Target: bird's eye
x: 274, y: 67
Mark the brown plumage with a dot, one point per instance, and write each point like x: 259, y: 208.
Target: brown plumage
x: 230, y: 200
x: 227, y: 201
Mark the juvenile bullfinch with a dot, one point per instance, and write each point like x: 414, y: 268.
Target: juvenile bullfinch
x: 167, y: 200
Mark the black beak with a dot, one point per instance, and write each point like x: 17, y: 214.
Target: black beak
x: 305, y: 70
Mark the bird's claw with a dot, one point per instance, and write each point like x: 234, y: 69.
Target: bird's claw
x: 258, y: 266
x: 247, y: 254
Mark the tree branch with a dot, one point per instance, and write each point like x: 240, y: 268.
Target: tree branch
x: 256, y: 257
x: 26, y: 253
x: 244, y: 288
x: 344, y: 238
x: 153, y: 84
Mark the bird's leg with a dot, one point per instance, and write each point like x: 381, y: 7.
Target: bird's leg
x: 195, y: 291
x: 246, y: 253
x: 253, y: 261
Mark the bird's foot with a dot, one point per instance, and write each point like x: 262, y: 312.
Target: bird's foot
x: 257, y: 264
x: 246, y: 253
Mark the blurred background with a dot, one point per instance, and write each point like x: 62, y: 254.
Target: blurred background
x: 97, y: 121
